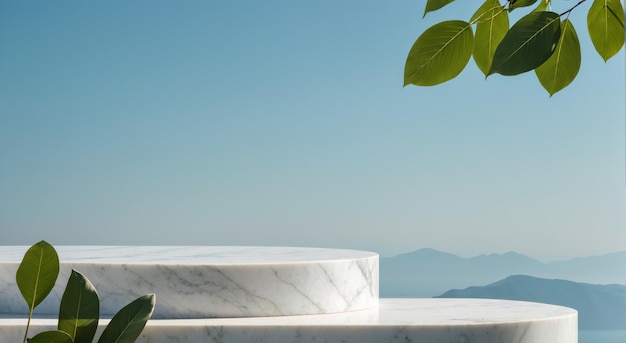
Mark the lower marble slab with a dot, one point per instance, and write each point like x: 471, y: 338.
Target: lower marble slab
x: 394, y: 320
x: 209, y: 282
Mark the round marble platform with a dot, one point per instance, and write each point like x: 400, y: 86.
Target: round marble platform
x: 394, y: 320
x: 209, y: 282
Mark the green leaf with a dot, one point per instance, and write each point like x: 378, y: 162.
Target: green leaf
x: 439, y: 54
x: 80, y: 309
x: 37, y: 273
x: 605, y: 21
x: 433, y: 5
x: 492, y: 25
x: 128, y: 323
x: 561, y: 68
x: 543, y: 6
x: 51, y: 337
x: 520, y: 3
x: 528, y: 44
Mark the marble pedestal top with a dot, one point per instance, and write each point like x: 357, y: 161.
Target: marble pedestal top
x: 208, y: 282
x: 394, y: 320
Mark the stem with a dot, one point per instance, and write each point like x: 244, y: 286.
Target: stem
x: 30, y: 314
x: 510, y: 2
x: 571, y: 9
x: 31, y: 307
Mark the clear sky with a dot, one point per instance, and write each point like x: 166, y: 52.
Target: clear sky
x: 225, y: 122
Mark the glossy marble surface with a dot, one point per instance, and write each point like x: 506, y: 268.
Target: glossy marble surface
x: 207, y: 282
x: 394, y: 320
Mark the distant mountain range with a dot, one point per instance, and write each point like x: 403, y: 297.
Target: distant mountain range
x: 428, y: 272
x: 600, y: 307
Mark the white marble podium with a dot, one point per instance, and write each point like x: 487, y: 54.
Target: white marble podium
x: 278, y: 295
x: 210, y: 282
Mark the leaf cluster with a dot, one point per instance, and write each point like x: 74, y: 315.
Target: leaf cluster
x: 79, y: 311
x: 542, y: 40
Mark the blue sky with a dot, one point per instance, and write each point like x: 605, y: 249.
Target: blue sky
x: 285, y: 123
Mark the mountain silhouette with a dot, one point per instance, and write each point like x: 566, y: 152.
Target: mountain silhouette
x: 428, y: 272
x: 600, y: 307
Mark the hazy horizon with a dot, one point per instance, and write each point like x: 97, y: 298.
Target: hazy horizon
x: 382, y: 254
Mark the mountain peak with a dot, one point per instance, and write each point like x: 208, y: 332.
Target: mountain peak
x: 427, y: 253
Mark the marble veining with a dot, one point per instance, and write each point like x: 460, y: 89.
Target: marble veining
x: 208, y: 282
x: 394, y: 320
x: 184, y: 255
x: 274, y: 295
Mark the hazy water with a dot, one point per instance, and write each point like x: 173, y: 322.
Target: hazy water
x: 602, y: 336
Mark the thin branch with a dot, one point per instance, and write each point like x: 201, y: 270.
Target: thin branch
x: 571, y: 9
